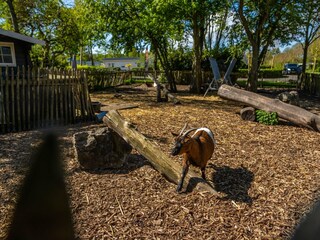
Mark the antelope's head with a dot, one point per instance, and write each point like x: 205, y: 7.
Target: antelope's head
x: 182, y: 141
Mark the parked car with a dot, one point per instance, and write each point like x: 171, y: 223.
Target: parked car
x: 291, y: 68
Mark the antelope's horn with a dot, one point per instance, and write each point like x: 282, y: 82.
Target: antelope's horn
x: 185, y: 126
x: 189, y: 131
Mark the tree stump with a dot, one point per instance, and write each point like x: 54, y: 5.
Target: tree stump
x: 167, y: 95
x: 291, y: 97
x: 248, y: 114
x: 100, y: 149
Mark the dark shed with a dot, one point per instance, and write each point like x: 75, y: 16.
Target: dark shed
x: 15, y: 48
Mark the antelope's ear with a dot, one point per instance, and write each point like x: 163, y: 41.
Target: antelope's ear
x: 187, y: 138
x: 174, y: 134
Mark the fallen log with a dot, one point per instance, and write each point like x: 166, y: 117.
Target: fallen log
x: 160, y: 161
x: 289, y: 112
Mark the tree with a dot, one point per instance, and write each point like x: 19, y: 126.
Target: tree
x: 309, y: 26
x: 89, y: 31
x: 138, y: 23
x: 13, y: 14
x: 217, y: 28
x: 47, y: 20
x: 264, y: 22
x: 52, y: 22
x: 292, y: 54
x: 196, y: 14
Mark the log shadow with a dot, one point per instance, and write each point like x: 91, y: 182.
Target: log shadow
x: 234, y: 182
x: 133, y: 162
x: 155, y: 138
x: 193, y: 182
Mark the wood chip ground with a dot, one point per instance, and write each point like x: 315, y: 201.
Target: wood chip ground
x: 267, y: 176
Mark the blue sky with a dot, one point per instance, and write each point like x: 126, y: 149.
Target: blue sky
x: 69, y: 2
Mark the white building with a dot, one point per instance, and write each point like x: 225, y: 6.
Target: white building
x: 124, y: 63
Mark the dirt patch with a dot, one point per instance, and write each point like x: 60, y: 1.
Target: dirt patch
x: 266, y: 175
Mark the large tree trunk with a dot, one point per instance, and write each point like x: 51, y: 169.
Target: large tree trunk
x: 196, y: 65
x: 13, y: 16
x: 198, y: 39
x: 150, y: 151
x: 46, y: 58
x: 91, y: 55
x: 286, y: 111
x: 302, y: 76
x: 252, y: 83
x: 305, y: 55
x: 161, y: 52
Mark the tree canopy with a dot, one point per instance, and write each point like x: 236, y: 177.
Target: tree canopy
x: 179, y: 33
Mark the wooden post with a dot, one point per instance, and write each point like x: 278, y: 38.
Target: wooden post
x: 23, y: 102
x: 1, y: 104
x: 42, y: 121
x: 7, y: 112
x: 56, y: 103
x: 13, y: 101
x: 31, y: 92
x: 70, y: 97
x: 65, y: 97
x: 18, y: 99
x: 150, y: 151
x: 286, y: 111
x: 3, y: 121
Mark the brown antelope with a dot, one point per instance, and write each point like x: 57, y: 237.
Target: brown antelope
x: 196, y: 149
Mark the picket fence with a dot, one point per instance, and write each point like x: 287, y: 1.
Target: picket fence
x: 32, y: 98
x: 311, y: 84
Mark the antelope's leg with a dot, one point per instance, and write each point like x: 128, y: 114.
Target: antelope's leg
x: 203, y: 173
x: 185, y: 169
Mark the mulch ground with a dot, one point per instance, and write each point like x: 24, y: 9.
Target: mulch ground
x: 266, y: 176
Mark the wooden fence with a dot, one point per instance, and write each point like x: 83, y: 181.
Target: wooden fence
x: 311, y: 84
x: 38, y: 98
x: 99, y: 79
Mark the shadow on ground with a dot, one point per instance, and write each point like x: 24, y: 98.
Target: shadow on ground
x: 133, y: 162
x: 234, y: 182
x: 193, y: 182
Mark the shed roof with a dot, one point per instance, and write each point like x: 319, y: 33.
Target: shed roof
x: 21, y: 37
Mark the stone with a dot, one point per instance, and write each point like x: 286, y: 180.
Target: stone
x: 100, y: 149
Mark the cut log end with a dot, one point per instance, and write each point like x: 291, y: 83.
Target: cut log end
x: 248, y: 114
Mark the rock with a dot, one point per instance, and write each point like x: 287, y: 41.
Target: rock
x: 100, y: 149
x: 291, y: 97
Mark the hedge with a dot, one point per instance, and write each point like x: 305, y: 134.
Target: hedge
x: 265, y: 73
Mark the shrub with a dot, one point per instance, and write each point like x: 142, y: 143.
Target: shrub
x: 266, y: 117
x: 87, y: 67
x: 265, y: 73
x: 265, y: 67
